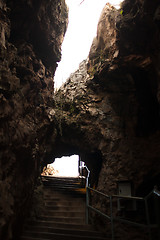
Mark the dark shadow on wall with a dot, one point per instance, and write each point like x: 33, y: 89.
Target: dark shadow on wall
x: 94, y: 163
x: 148, y: 109
x: 148, y: 184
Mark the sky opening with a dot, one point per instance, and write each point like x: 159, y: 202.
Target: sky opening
x: 82, y: 27
x: 66, y: 166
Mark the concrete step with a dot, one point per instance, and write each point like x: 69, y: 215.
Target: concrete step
x: 63, y: 219
x: 60, y: 236
x: 64, y: 203
x: 64, y: 198
x: 62, y: 187
x: 65, y: 208
x: 62, y: 179
x: 79, y: 232
x: 68, y: 179
x: 61, y: 183
x: 31, y: 238
x: 68, y: 195
x: 75, y: 192
x: 69, y: 213
x: 53, y: 224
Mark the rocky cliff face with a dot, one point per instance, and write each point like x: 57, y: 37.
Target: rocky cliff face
x: 107, y: 111
x: 110, y: 106
x: 31, y: 33
x: 111, y: 102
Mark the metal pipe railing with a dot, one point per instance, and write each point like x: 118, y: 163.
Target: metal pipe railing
x: 129, y: 197
x: 97, y: 211
x: 87, y: 178
x: 87, y: 195
x: 99, y: 192
x: 112, y: 218
x: 147, y: 218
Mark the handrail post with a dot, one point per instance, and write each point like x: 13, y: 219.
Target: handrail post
x: 87, y: 203
x: 87, y: 196
x: 111, y: 212
x: 147, y: 218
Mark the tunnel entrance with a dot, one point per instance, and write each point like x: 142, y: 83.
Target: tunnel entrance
x: 66, y: 166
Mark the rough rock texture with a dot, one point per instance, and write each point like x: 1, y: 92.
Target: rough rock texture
x: 109, y: 108
x: 31, y: 33
x: 107, y: 111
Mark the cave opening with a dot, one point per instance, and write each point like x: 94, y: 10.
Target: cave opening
x: 73, y: 164
x: 65, y: 166
x: 82, y: 27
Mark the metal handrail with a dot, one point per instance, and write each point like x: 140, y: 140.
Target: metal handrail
x: 87, y: 194
x: 96, y: 210
x: 156, y: 192
x: 98, y: 192
x: 87, y: 178
x: 112, y: 218
x: 129, y: 197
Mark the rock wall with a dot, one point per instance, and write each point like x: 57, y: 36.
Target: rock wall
x: 31, y: 34
x: 107, y: 111
x: 110, y: 105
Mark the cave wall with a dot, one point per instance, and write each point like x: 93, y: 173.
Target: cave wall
x: 107, y: 111
x: 111, y: 103
x: 31, y: 34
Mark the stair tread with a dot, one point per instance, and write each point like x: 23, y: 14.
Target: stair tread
x: 67, y: 235
x: 64, y: 219
x: 81, y: 232
x: 48, y: 216
x: 31, y: 238
x: 51, y: 211
x: 64, y: 213
x: 65, y: 208
x: 67, y: 225
x: 66, y: 229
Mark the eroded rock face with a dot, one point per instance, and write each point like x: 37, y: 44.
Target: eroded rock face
x: 111, y: 102
x: 107, y: 111
x: 31, y: 33
x: 41, y: 23
x: 110, y: 105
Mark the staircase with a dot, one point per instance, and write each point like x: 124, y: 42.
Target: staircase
x: 64, y: 215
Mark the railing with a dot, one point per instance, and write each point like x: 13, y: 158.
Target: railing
x: 87, y: 178
x: 113, y: 218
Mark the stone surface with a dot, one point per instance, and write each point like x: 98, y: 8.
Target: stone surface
x: 107, y: 111
x: 114, y: 106
x: 31, y: 33
x: 110, y: 106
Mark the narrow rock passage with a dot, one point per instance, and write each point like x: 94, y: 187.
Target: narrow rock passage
x: 64, y: 213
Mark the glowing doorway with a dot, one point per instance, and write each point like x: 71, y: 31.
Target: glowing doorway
x: 66, y: 166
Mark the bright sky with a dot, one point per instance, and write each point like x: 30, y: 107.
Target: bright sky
x: 66, y: 166
x: 83, y: 19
